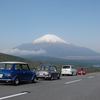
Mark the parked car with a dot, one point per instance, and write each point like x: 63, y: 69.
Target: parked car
x: 68, y: 70
x: 47, y: 72
x: 81, y: 72
x: 16, y: 72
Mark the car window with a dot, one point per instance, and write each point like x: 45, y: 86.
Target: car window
x: 25, y: 67
x: 46, y: 68
x: 53, y: 68
x: 66, y: 67
x: 21, y: 67
x: 43, y: 67
x: 18, y: 67
x: 6, y: 66
x: 39, y: 68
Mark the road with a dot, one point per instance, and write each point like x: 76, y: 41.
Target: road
x: 80, y: 87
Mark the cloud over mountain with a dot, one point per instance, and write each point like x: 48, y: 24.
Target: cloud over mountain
x: 18, y: 52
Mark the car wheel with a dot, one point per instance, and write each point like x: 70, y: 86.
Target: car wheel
x: 16, y: 81
x: 51, y: 78
x: 34, y: 79
x: 72, y: 74
x: 62, y: 74
x: 58, y: 76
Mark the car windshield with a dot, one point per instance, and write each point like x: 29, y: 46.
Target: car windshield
x: 65, y: 67
x: 43, y: 67
x: 6, y: 66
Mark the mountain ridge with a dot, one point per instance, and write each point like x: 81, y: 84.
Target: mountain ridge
x: 53, y: 46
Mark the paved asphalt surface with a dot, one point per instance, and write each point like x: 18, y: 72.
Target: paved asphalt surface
x: 80, y: 87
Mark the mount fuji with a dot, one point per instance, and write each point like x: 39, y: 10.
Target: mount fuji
x: 53, y: 46
x: 50, y: 39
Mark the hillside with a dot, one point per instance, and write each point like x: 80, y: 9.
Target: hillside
x: 87, y: 64
x: 5, y: 57
x: 60, y: 61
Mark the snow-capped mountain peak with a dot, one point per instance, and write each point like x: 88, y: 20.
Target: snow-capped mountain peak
x: 49, y: 38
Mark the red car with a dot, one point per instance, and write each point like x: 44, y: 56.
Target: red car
x: 81, y: 72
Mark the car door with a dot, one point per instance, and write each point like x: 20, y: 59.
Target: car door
x: 27, y: 73
x: 19, y: 72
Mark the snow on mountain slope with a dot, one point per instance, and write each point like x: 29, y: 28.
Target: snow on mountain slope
x: 49, y: 38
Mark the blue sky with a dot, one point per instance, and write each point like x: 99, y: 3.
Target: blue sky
x: 75, y: 21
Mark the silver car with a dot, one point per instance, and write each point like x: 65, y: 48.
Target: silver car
x: 47, y: 72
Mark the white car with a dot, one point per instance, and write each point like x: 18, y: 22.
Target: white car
x: 68, y: 70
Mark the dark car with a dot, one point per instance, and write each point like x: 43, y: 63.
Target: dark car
x: 16, y: 72
x: 48, y: 72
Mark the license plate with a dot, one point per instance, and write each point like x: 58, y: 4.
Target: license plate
x: 1, y: 75
x: 41, y: 74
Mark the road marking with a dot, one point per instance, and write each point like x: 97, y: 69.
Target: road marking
x: 73, y: 81
x: 98, y: 75
x: 91, y: 77
x: 10, y: 96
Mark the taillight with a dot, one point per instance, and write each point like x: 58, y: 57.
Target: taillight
x: 46, y: 74
x: 9, y: 75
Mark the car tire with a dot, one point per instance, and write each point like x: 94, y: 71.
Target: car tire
x: 16, y: 81
x: 51, y: 78
x: 58, y: 76
x: 34, y: 80
x: 72, y: 74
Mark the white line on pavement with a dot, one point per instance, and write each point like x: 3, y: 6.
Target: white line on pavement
x: 10, y: 96
x: 91, y: 77
x: 73, y: 81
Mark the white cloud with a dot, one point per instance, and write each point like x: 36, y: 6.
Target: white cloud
x: 22, y: 52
